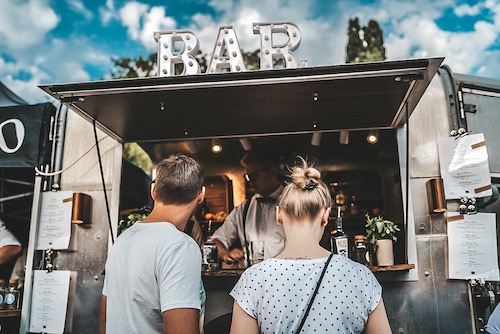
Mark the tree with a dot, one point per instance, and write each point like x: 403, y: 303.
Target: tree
x: 366, y: 44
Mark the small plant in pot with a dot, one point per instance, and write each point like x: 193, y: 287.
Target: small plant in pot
x: 381, y: 234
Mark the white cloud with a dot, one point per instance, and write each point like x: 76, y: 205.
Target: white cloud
x: 108, y: 12
x: 79, y: 7
x: 466, y: 9
x: 25, y: 23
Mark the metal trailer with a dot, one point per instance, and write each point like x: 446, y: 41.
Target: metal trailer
x: 413, y: 99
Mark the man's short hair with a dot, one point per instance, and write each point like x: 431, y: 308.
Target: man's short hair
x: 179, y: 179
x: 265, y: 156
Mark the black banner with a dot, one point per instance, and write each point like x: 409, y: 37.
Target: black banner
x: 24, y: 132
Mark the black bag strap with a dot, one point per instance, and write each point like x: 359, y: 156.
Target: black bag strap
x: 244, y: 221
x: 314, y: 294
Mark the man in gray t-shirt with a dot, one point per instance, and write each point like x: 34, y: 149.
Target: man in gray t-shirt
x: 152, y: 282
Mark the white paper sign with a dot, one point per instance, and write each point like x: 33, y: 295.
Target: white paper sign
x: 464, y: 166
x: 49, y: 301
x: 472, y: 246
x: 55, y: 220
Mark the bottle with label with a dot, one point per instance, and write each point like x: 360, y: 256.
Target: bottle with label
x: 353, y: 207
x: 12, y: 296
x: 210, y: 253
x: 2, y: 294
x: 360, y: 251
x: 339, y: 241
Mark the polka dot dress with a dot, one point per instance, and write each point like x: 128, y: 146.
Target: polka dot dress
x: 276, y: 293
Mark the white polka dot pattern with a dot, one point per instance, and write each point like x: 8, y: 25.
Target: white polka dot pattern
x: 276, y: 293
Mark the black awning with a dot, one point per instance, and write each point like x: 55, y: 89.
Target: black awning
x: 330, y: 98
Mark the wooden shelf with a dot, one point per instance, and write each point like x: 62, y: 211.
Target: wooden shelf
x: 10, y: 313
x: 396, y: 267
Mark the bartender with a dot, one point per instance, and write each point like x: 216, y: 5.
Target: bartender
x: 255, y: 219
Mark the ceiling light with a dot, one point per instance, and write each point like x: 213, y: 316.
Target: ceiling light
x: 316, y: 139
x: 216, y: 146
x: 372, y: 137
x: 245, y: 143
x: 344, y: 137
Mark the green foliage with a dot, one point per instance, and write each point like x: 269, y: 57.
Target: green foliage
x: 136, y: 155
x: 378, y: 228
x: 131, y: 219
x: 366, y: 44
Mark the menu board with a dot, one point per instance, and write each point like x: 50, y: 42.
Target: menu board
x: 50, y: 300
x: 472, y: 246
x: 55, y: 220
x: 464, y: 166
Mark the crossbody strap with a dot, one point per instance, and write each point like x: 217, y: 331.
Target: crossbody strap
x: 244, y: 221
x: 314, y: 294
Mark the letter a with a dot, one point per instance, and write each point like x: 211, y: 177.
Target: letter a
x: 227, y: 53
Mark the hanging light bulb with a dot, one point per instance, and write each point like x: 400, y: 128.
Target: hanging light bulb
x: 216, y: 146
x: 372, y: 137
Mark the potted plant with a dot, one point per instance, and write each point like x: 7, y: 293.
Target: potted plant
x: 381, y: 234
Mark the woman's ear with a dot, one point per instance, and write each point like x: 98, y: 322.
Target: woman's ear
x: 279, y: 218
x: 325, y: 217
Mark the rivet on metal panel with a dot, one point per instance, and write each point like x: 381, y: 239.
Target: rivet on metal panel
x: 185, y: 132
x: 162, y: 106
x: 266, y: 51
x: 266, y: 37
x: 233, y: 53
x: 190, y: 63
x: 231, y: 41
x: 165, y: 57
x: 157, y: 37
x: 96, y: 278
x: 315, y: 96
x: 285, y: 26
x: 188, y: 37
x: 315, y: 124
x: 256, y: 27
x: 165, y: 71
x: 453, y: 133
x: 294, y: 34
x: 219, y: 43
x: 421, y: 227
x: 427, y: 273
x: 226, y: 31
x: 81, y: 99
x: 238, y: 67
x: 189, y: 48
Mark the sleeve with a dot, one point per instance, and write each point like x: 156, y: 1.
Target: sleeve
x: 8, y: 239
x: 178, y: 273
x: 493, y: 326
x: 372, y: 286
x: 228, y: 232
x: 245, y: 293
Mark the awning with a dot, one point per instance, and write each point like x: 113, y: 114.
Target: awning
x: 351, y: 96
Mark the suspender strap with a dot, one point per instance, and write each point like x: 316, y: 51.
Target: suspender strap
x: 244, y: 221
x: 314, y: 294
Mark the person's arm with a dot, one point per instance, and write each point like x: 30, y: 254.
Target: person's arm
x: 242, y: 322
x: 101, y: 326
x: 9, y: 252
x: 377, y: 321
x: 182, y: 321
x: 229, y: 256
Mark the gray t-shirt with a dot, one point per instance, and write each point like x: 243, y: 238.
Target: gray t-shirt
x: 493, y: 326
x: 276, y: 293
x: 152, y: 268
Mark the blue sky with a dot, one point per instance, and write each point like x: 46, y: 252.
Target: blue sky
x: 60, y: 41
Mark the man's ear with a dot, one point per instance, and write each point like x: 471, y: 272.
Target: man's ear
x: 326, y: 215
x: 201, y: 196
x: 153, y: 191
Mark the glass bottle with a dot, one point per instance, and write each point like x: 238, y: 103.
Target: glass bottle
x: 353, y: 206
x: 2, y: 294
x: 339, y: 241
x: 209, y: 252
x: 12, y: 296
x: 360, y: 251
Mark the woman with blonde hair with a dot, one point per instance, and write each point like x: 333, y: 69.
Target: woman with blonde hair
x: 305, y: 288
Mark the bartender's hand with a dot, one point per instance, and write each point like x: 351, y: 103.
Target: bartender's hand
x: 234, y: 255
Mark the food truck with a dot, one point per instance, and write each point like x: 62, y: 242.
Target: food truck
x: 418, y: 109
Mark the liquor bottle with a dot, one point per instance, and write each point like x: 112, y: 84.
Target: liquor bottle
x: 12, y: 296
x: 353, y: 207
x: 2, y: 294
x: 339, y: 241
x: 360, y: 251
x: 210, y: 252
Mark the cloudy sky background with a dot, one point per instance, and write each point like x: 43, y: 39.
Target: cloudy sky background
x: 60, y: 41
